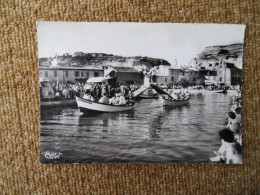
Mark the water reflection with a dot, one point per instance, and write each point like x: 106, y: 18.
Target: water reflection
x: 149, y: 133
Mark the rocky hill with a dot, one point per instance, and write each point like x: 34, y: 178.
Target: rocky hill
x: 229, y: 54
x: 225, y: 52
x: 80, y: 59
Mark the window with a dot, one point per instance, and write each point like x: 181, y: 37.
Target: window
x: 87, y: 74
x: 76, y: 73
x: 55, y: 73
x: 66, y: 73
x: 216, y: 64
x: 82, y: 74
x: 172, y: 78
x: 220, y: 79
x: 194, y: 79
x: 165, y: 79
x: 96, y: 74
x: 191, y: 73
x: 210, y: 65
x: 220, y: 67
x: 183, y: 74
x: 46, y: 73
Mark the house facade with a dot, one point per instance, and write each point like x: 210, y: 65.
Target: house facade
x: 70, y: 74
x: 191, y: 76
x: 225, y: 73
x: 125, y: 74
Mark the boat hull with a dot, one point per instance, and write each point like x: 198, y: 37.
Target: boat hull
x: 87, y: 106
x: 215, y: 91
x: 175, y: 102
x: 52, y: 104
x: 148, y: 96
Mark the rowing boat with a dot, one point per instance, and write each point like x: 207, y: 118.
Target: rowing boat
x: 215, y: 91
x: 175, y: 102
x: 87, y: 106
x: 148, y: 94
x: 167, y: 98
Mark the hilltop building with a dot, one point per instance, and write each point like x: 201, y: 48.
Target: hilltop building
x: 221, y: 64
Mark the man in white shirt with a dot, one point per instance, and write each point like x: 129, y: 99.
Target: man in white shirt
x: 152, y: 72
x: 112, y: 100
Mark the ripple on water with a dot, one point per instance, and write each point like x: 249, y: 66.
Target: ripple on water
x: 149, y: 133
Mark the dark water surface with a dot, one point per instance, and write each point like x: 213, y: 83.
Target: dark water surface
x: 149, y: 133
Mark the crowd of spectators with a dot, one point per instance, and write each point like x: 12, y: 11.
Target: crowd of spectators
x: 98, y: 91
x: 230, y: 151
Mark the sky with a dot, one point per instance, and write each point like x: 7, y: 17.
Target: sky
x: 168, y: 41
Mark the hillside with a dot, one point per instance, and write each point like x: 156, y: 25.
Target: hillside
x: 80, y: 59
x: 225, y: 52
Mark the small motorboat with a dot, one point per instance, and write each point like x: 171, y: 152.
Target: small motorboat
x: 167, y: 98
x: 88, y: 106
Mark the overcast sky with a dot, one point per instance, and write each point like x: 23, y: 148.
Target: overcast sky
x: 159, y: 40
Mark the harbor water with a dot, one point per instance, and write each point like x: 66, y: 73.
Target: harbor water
x: 150, y: 133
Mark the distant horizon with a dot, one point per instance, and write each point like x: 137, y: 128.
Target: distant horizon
x: 138, y: 55
x: 168, y: 41
x: 71, y: 53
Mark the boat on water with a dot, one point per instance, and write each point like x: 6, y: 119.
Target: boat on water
x: 192, y: 91
x: 173, y: 102
x: 232, y: 91
x: 88, y: 106
x: 167, y: 98
x: 215, y: 91
x: 148, y: 94
x: 58, y: 103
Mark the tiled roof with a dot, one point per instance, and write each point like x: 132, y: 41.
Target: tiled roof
x: 72, y: 68
x: 125, y: 69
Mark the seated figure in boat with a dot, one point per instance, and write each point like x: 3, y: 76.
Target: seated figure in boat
x: 117, y: 98
x: 104, y: 99
x: 187, y: 95
x: 89, y: 97
x: 122, y: 100
x: 175, y: 97
x: 112, y: 100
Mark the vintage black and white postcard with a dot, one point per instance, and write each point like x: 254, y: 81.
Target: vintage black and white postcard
x: 140, y: 92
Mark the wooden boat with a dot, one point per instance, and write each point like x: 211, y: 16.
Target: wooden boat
x: 167, y: 99
x: 232, y: 91
x: 192, y: 91
x: 59, y: 103
x: 148, y: 94
x: 87, y: 106
x: 215, y: 91
x: 175, y: 102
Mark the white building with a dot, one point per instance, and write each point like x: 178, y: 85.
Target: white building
x: 70, y: 74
